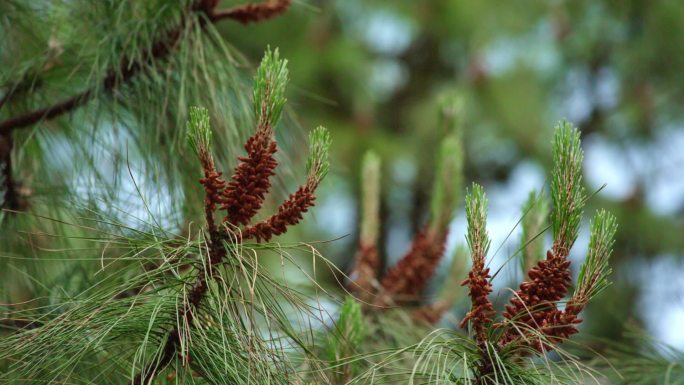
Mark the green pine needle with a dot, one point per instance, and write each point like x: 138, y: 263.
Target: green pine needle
x: 535, y: 212
x: 370, y: 192
x: 269, y: 89
x: 199, y: 129
x: 317, y: 165
x: 476, y: 215
x: 593, y: 276
x: 567, y: 192
x: 345, y: 340
x: 349, y: 330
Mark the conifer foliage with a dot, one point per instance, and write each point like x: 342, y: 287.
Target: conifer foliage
x: 533, y: 319
x: 202, y: 310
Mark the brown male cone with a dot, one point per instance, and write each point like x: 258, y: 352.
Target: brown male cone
x: 248, y: 187
x: 535, y: 302
x: 413, y: 271
x: 289, y: 213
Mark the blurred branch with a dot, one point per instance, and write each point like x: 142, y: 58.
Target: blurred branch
x: 19, y: 324
x: 11, y: 197
x: 17, y: 89
x: 252, y: 13
x: 160, y: 49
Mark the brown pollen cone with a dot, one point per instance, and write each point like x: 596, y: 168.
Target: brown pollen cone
x: 246, y: 191
x: 561, y: 325
x: 365, y: 271
x: 557, y: 326
x: 413, y: 271
x: 481, y: 310
x: 432, y: 313
x: 289, y: 213
x: 536, y: 299
x: 213, y: 186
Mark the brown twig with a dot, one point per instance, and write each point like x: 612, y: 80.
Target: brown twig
x: 217, y: 254
x: 252, y: 13
x: 12, y: 199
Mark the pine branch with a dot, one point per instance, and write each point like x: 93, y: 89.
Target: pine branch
x: 592, y: 280
x: 534, y: 303
x: 127, y: 70
x: 479, y: 282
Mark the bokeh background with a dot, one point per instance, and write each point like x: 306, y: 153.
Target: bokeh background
x: 374, y: 71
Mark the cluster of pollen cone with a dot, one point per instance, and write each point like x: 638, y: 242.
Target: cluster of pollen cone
x: 243, y: 195
x: 535, y: 318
